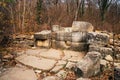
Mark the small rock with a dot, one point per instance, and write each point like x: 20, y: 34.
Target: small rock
x: 103, y: 62
x: 83, y: 79
x: 9, y: 56
x: 117, y: 65
x: 109, y: 58
x: 51, y: 78
x: 38, y: 71
x: 69, y: 65
x: 70, y: 76
x: 62, y: 74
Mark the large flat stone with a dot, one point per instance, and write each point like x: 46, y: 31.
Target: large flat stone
x: 35, y: 62
x: 18, y: 74
x: 45, y: 34
x: 73, y: 55
x: 52, y: 54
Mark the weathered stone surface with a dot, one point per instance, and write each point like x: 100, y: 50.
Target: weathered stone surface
x: 70, y: 64
x: 68, y: 29
x: 59, y: 66
x: 82, y: 26
x: 45, y: 34
x: 89, y: 65
x: 79, y: 46
x: 70, y: 45
x: 109, y: 58
x: 63, y: 36
x: 35, y: 62
x: 117, y: 65
x: 51, y: 78
x: 52, y: 54
x: 71, y: 36
x: 56, y: 28
x: 43, y: 43
x: 18, y: 74
x: 104, y: 62
x: 59, y: 44
x: 79, y: 36
x: 73, y: 55
x: 103, y: 50
x: 97, y: 38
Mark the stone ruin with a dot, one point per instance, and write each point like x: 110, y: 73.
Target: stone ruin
x: 63, y: 51
x: 80, y: 37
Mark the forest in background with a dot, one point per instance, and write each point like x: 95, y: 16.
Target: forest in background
x: 27, y: 16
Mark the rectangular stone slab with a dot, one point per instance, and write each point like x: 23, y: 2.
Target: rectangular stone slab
x: 35, y: 62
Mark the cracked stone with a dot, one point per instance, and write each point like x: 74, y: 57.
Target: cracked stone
x: 35, y: 62
x: 18, y: 74
x: 59, y: 66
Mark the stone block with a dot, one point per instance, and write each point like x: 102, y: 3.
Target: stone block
x: 98, y: 38
x: 79, y: 36
x: 82, y: 26
x: 88, y: 66
x: 103, y: 50
x: 45, y: 34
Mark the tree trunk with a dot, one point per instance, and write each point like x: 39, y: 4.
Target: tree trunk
x: 12, y: 16
x: 76, y: 13
x: 19, y: 21
x: 23, y: 21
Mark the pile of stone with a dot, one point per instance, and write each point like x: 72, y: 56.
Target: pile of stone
x: 24, y: 40
x: 79, y: 37
x: 71, y: 38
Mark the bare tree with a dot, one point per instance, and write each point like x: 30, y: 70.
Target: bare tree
x: 23, y: 15
x: 103, y: 7
x: 80, y: 8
